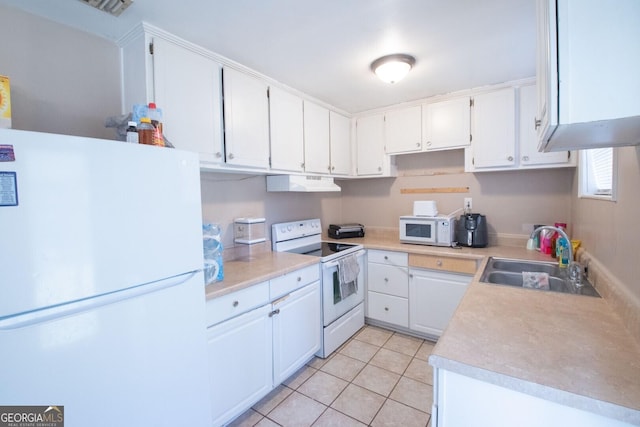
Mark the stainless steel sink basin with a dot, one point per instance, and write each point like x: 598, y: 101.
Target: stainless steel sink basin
x: 505, y: 271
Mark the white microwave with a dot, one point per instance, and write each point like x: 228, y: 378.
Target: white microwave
x: 424, y: 230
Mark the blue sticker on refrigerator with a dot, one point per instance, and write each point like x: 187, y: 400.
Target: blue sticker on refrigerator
x: 8, y: 189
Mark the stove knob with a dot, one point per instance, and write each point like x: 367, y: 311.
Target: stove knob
x: 289, y: 228
x: 283, y: 229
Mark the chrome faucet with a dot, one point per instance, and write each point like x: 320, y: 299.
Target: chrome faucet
x: 574, y: 270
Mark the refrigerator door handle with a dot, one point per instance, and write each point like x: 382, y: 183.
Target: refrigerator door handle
x: 74, y: 307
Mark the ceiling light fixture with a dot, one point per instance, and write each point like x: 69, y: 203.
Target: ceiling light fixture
x: 393, y: 68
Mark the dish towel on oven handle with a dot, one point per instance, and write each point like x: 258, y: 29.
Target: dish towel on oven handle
x: 348, y: 270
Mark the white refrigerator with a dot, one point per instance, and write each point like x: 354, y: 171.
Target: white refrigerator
x: 101, y: 286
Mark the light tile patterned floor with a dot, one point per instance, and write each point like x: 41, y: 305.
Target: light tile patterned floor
x: 377, y: 378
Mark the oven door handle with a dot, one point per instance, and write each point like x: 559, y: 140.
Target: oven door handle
x: 332, y: 264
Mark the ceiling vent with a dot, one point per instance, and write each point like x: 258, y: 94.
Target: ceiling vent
x: 112, y: 7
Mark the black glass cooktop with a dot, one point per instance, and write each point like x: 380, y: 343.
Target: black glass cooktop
x: 325, y: 249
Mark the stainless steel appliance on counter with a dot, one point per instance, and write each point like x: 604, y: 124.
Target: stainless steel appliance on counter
x: 342, y: 275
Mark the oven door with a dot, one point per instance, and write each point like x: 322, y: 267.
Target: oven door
x: 339, y: 298
x: 418, y: 230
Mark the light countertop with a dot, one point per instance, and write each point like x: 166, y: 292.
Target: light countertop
x: 571, y: 349
x: 250, y: 270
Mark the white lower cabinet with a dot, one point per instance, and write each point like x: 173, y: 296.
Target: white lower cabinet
x: 387, y: 287
x: 240, y: 363
x: 252, y: 350
x: 296, y: 326
x: 460, y: 400
x: 415, y: 293
x: 433, y: 297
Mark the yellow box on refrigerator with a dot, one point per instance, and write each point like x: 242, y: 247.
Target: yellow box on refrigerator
x: 5, y: 103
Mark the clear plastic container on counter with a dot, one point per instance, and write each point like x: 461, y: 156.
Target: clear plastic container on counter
x: 212, y: 247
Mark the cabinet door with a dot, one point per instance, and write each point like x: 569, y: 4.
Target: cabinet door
x: 546, y: 70
x: 340, y: 141
x: 388, y: 308
x: 433, y: 297
x: 494, y: 130
x: 447, y: 124
x: 403, y: 130
x: 528, y: 136
x: 188, y: 90
x: 370, y: 145
x: 240, y: 363
x: 287, y: 139
x: 246, y: 117
x: 316, y: 138
x: 388, y: 279
x: 297, y: 329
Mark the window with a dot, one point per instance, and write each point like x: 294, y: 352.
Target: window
x: 597, y: 173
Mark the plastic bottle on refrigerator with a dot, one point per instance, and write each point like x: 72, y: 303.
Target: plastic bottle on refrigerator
x: 132, y: 133
x: 145, y: 131
x: 155, y: 114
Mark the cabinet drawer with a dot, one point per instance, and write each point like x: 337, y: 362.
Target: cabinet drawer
x: 233, y: 304
x: 388, y: 308
x: 388, y: 279
x: 434, y: 262
x: 387, y: 257
x: 296, y: 279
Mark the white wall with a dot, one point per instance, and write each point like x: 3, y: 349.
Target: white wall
x: 229, y: 196
x: 510, y: 200
x: 62, y: 80
x: 610, y: 231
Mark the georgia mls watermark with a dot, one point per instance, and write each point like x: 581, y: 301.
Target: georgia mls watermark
x: 31, y: 416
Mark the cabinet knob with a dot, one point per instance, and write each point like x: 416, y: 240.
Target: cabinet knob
x: 386, y: 257
x: 236, y: 303
x: 302, y: 165
x: 428, y: 143
x: 439, y: 263
x: 525, y: 158
x: 386, y: 279
x: 536, y: 122
x: 299, y: 279
x: 510, y: 158
x: 218, y: 155
x: 418, y: 144
x: 379, y: 168
x: 230, y: 155
x: 333, y: 168
x: 386, y: 309
x: 274, y: 312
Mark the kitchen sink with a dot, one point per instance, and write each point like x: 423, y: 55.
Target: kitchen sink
x: 505, y: 271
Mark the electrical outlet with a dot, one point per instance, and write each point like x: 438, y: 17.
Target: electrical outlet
x: 468, y: 203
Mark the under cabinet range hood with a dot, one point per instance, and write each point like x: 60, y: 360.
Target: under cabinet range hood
x: 301, y: 183
x: 597, y: 134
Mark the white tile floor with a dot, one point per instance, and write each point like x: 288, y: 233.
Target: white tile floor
x: 377, y: 378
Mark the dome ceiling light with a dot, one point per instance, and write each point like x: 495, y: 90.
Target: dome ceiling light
x: 393, y: 68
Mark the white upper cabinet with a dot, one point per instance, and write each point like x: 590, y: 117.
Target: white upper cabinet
x: 246, y: 117
x: 287, y: 138
x: 529, y: 155
x: 447, y: 124
x: 403, y: 130
x: 371, y: 157
x: 493, y: 130
x: 316, y: 139
x: 185, y: 84
x: 587, y: 68
x: 340, y: 140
